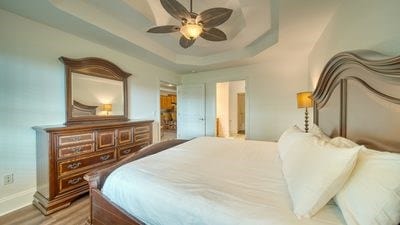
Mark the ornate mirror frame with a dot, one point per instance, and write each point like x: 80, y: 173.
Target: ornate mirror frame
x: 96, y: 67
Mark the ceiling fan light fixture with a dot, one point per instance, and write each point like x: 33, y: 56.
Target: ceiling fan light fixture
x: 191, y: 30
x: 194, y: 25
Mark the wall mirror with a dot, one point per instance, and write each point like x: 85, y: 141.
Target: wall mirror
x: 96, y: 90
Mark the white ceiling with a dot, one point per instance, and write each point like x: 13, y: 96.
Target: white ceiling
x: 254, y: 27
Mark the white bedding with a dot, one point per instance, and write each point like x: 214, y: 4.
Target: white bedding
x: 210, y: 181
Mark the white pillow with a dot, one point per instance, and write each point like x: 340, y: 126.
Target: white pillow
x: 315, y: 171
x: 343, y: 142
x: 289, y: 131
x: 286, y: 139
x: 372, y: 194
x: 316, y: 130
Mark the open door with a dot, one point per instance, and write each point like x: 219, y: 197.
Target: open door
x: 191, y: 111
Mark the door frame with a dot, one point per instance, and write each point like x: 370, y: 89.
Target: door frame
x: 247, y: 101
x: 238, y: 116
x: 158, y: 120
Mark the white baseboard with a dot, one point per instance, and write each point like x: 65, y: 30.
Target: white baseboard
x: 16, y: 201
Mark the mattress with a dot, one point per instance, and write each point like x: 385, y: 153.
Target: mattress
x: 210, y: 181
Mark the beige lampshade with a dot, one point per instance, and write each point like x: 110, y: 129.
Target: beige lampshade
x: 106, y: 107
x: 304, y: 99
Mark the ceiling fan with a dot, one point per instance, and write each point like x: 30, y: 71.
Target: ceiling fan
x: 194, y: 25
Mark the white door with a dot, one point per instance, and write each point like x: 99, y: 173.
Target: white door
x: 191, y: 111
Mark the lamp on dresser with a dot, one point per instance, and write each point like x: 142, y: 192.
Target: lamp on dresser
x: 304, y: 100
x: 107, y: 108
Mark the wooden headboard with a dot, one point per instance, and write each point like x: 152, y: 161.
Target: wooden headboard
x: 79, y: 109
x: 358, y: 97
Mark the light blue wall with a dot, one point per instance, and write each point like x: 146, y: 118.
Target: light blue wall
x: 271, y: 89
x: 357, y: 24
x: 32, y: 92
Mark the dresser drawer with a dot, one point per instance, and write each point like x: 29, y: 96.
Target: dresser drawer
x: 122, y: 153
x: 105, y: 139
x: 71, y: 182
x: 70, y: 166
x: 141, y: 129
x: 125, y: 136
x: 73, y: 139
x: 68, y: 152
x: 75, y: 150
x: 142, y: 137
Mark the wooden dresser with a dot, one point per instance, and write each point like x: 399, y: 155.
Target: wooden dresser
x: 66, y: 153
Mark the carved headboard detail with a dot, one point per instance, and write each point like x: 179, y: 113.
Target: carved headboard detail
x: 358, y: 97
x: 80, y: 109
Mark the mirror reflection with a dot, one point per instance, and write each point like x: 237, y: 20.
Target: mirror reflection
x: 96, y: 96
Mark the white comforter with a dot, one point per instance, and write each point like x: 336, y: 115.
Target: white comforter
x: 210, y: 181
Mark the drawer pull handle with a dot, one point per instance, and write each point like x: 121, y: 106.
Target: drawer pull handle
x: 127, y: 151
x: 78, y: 138
x: 74, y: 165
x: 74, y: 181
x: 104, y: 157
x: 77, y: 150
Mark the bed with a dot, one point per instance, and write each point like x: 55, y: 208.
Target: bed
x: 217, y: 181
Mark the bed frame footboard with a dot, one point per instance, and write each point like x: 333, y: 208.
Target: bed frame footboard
x: 102, y: 210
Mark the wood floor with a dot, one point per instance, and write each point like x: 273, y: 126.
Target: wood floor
x: 75, y: 214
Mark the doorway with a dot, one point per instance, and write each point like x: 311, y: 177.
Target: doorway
x: 230, y: 109
x: 168, y: 105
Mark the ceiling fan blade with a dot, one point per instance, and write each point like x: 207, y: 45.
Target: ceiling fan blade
x: 213, y: 34
x: 214, y: 17
x: 186, y: 43
x: 164, y: 29
x: 175, y: 9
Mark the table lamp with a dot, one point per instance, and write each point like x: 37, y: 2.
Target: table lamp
x: 304, y: 100
x: 107, y: 108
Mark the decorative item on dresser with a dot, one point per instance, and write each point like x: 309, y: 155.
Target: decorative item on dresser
x: 66, y: 153
x: 96, y: 84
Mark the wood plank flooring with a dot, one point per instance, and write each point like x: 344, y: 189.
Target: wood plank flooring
x: 76, y: 214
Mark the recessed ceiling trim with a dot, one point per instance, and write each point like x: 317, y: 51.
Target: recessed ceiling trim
x: 91, y: 15
x: 97, y: 16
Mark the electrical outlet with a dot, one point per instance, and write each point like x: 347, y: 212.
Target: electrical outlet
x: 8, y: 179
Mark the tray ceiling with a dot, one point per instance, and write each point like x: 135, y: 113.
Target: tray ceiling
x: 251, y: 22
x: 122, y: 25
